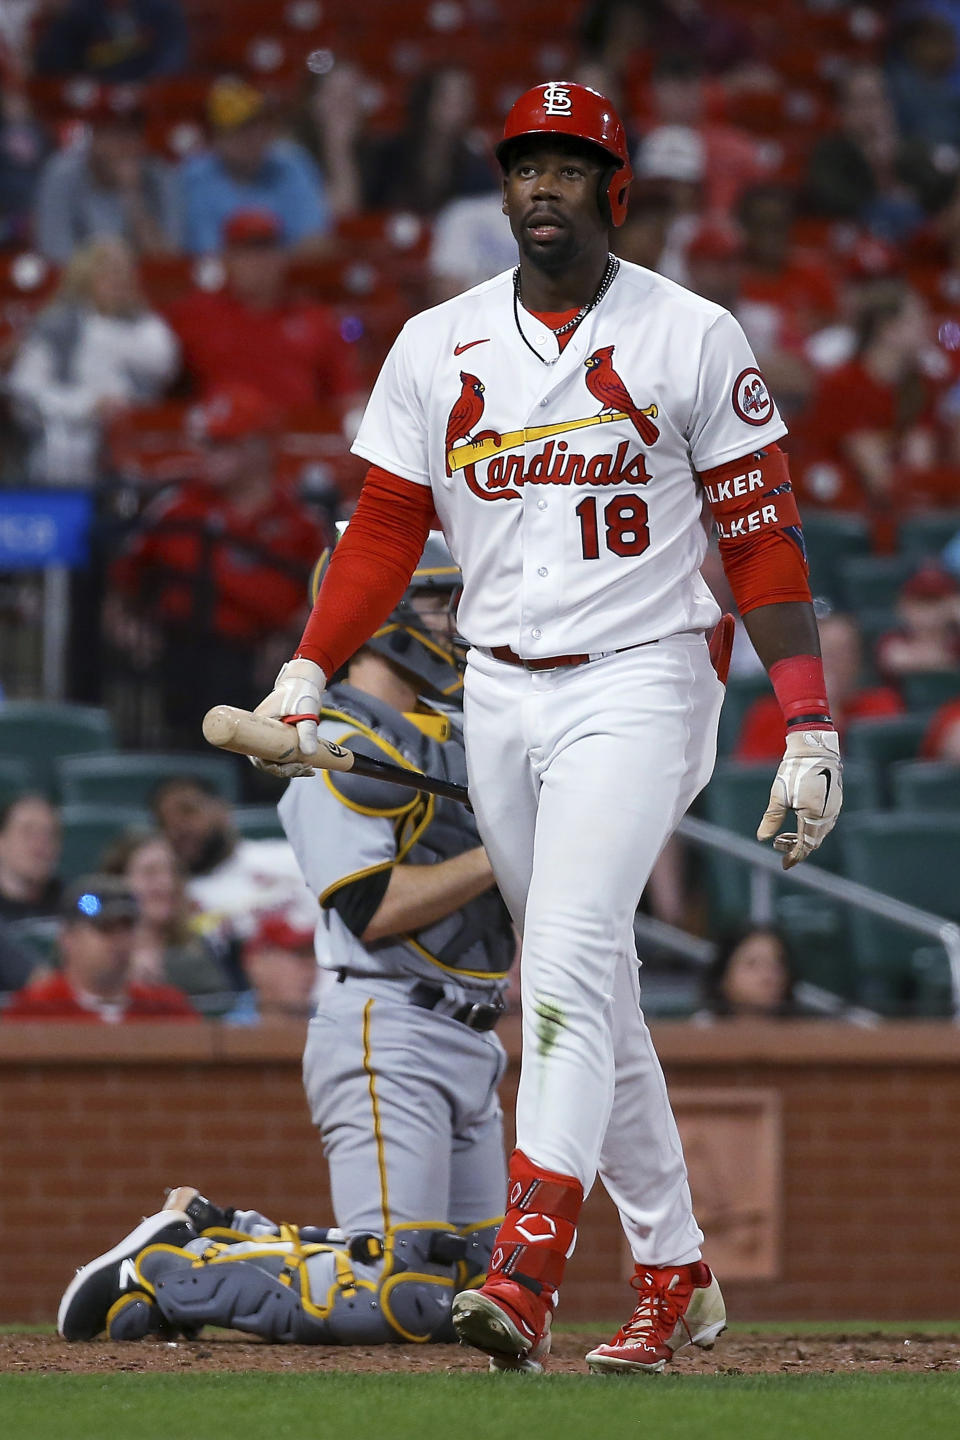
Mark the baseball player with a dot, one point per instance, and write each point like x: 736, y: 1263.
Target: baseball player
x: 401, y: 1065
x: 565, y: 421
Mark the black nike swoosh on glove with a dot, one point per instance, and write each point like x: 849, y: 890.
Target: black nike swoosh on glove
x: 829, y: 779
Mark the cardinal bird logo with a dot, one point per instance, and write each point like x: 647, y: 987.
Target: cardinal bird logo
x: 605, y: 384
x: 466, y: 413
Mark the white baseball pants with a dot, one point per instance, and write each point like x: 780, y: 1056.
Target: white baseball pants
x: 578, y: 777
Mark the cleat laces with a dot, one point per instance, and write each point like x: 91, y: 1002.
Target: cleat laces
x: 658, y: 1310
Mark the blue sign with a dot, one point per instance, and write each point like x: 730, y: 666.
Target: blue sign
x: 43, y: 527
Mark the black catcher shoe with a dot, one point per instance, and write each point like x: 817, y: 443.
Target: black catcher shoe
x: 97, y: 1287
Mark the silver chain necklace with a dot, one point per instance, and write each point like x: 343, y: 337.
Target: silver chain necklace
x: 609, y: 275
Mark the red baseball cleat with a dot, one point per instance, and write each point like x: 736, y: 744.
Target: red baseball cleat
x: 508, y: 1321
x: 678, y: 1305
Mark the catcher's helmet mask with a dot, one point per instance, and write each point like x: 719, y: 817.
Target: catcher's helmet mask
x: 575, y: 116
x: 430, y: 655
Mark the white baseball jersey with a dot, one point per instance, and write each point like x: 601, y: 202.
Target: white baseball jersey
x: 565, y: 481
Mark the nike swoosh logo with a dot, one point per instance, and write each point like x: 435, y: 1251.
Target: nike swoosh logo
x: 459, y: 349
x: 829, y: 781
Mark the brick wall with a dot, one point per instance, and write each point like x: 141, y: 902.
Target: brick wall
x: 95, y: 1122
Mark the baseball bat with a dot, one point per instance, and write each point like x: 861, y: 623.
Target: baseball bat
x: 229, y: 728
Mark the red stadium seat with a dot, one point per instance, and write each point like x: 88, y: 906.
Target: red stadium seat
x: 151, y: 445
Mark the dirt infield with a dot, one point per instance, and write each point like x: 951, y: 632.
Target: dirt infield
x: 740, y: 1354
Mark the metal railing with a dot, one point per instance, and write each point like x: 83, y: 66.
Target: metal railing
x: 765, y: 869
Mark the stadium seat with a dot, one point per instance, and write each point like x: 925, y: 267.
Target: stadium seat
x: 742, y: 691
x: 872, y: 582
x: 736, y: 799
x: 925, y: 785
x: 925, y: 535
x: 89, y: 829
x: 12, y: 779
x: 931, y: 981
x: 37, y: 733
x: 818, y: 931
x: 909, y: 856
x: 880, y: 743
x: 37, y: 937
x: 929, y: 689
x: 830, y: 540
x: 130, y: 779
x: 258, y: 822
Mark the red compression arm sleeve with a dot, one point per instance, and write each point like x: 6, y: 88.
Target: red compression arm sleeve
x: 370, y: 568
x: 761, y: 541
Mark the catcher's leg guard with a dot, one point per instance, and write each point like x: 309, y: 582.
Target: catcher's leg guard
x: 479, y: 1240
x: 248, y: 1288
x: 421, y: 1262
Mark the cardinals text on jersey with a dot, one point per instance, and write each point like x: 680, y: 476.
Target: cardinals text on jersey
x: 594, y: 452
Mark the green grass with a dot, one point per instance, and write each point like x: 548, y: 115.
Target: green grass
x: 479, y: 1407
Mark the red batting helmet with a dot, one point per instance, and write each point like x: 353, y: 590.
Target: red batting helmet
x: 562, y: 107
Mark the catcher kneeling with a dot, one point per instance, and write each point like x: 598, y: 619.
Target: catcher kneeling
x: 193, y: 1264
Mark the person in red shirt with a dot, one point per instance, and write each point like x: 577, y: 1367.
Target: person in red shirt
x: 876, y: 440
x: 253, y: 333
x: 218, y: 568
x: 762, y: 733
x: 96, y: 953
x: 942, y: 740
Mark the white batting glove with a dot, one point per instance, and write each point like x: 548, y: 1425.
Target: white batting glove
x: 810, y: 783
x: 297, y: 690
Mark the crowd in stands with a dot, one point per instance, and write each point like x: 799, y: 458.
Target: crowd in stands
x: 214, y: 218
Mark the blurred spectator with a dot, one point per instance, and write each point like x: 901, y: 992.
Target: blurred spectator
x: 438, y: 155
x: 94, y: 982
x: 942, y: 740
x: 95, y: 350
x: 253, y: 333
x: 867, y: 269
x: 875, y: 439
x: 733, y: 159
x: 762, y: 736
x: 250, y: 167
x: 232, y: 882
x: 471, y: 243
x: 796, y: 286
x: 218, y: 568
x: 281, y: 967
x: 927, y: 636
x: 752, y: 976
x: 29, y: 857
x: 114, y: 39
x: 23, y: 147
x: 923, y: 85
x: 17, y: 963
x: 671, y: 163
x: 621, y: 31
x: 167, y: 950
x: 107, y: 183
x: 863, y: 170
x: 642, y: 238
x: 333, y: 129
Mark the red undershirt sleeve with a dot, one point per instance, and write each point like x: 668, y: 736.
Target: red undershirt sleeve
x: 370, y: 568
x: 758, y: 524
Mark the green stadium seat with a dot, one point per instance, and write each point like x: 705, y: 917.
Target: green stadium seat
x: 36, y: 733
x: 130, y: 779
x: 736, y: 799
x: 258, y: 822
x: 818, y: 931
x: 931, y: 980
x: 925, y: 785
x: 742, y: 691
x: 12, y: 780
x: 929, y: 689
x: 909, y: 856
x: 923, y: 536
x: 830, y: 540
x: 872, y: 582
x: 89, y: 829
x: 880, y: 743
